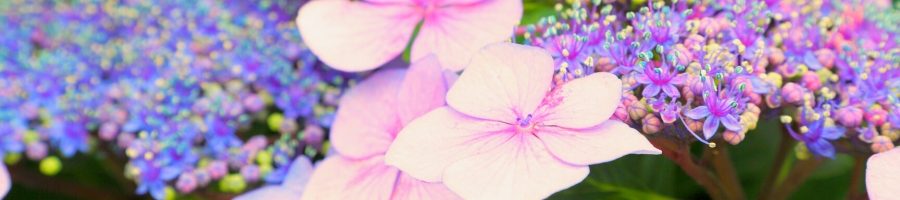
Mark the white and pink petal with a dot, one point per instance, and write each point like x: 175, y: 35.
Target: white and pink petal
x: 458, y: 28
x: 883, y: 175
x: 356, y: 35
x: 520, y: 168
x: 338, y: 177
x: 367, y: 121
x: 606, y: 142
x: 503, y: 82
x: 427, y: 145
x: 581, y: 103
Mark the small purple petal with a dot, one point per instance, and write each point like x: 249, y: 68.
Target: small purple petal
x: 642, y: 78
x: 710, y: 126
x: 821, y: 147
x: 678, y: 80
x: 651, y: 90
x: 671, y: 90
x: 698, y: 112
x: 731, y: 123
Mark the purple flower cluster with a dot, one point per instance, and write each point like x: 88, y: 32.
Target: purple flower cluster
x: 174, y: 90
x: 831, y: 70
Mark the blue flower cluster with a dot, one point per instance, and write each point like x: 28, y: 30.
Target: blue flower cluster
x: 175, y: 90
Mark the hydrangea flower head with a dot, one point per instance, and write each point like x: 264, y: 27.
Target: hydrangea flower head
x: 883, y: 175
x: 507, y: 134
x: 370, y: 116
x: 372, y: 32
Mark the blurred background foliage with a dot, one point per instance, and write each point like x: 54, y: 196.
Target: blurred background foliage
x: 629, y: 178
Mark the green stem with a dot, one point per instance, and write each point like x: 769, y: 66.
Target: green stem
x: 721, y: 163
x: 681, y: 155
x: 795, y: 179
x: 857, y: 178
x: 782, y: 155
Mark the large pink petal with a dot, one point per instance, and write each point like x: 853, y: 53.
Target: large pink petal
x: 366, y: 121
x: 604, y: 143
x: 412, y: 188
x: 423, y: 89
x: 504, y: 82
x: 270, y: 192
x: 356, y: 36
x: 583, y: 102
x: 883, y: 175
x: 5, y: 182
x: 520, y: 168
x: 437, y: 139
x: 298, y: 175
x: 338, y: 177
x: 454, y: 33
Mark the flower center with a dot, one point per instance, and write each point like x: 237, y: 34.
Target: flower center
x: 525, y: 125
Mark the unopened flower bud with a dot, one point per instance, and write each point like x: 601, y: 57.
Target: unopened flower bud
x: 776, y: 56
x: 849, y: 116
x: 811, y: 80
x: 733, y: 137
x: 826, y: 57
x: 876, y: 115
x: 694, y: 125
x: 881, y: 144
x: 253, y: 103
x: 186, y: 183
x: 217, y: 169
x: 108, y: 131
x: 250, y: 173
x: 637, y: 110
x: 792, y: 93
x: 621, y: 114
x: 651, y: 124
x: 36, y: 150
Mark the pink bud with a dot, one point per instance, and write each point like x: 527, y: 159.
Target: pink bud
x: 637, y: 110
x: 605, y: 64
x: 776, y: 56
x: 811, y: 80
x: 36, y: 151
x: 754, y: 99
x: 694, y: 125
x: 253, y: 103
x: 621, y: 114
x: 313, y: 136
x: 694, y: 40
x: 876, y: 116
x: 695, y: 84
x: 186, y: 183
x: 288, y: 126
x: 108, y: 131
x: 651, y: 124
x: 203, y: 177
x: 792, y: 93
x: 849, y: 116
x: 250, y: 173
x: 733, y: 137
x: 628, y: 98
x: 881, y: 144
x: 748, y: 85
x: 826, y: 57
x: 255, y: 143
x: 217, y: 169
x: 125, y: 139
